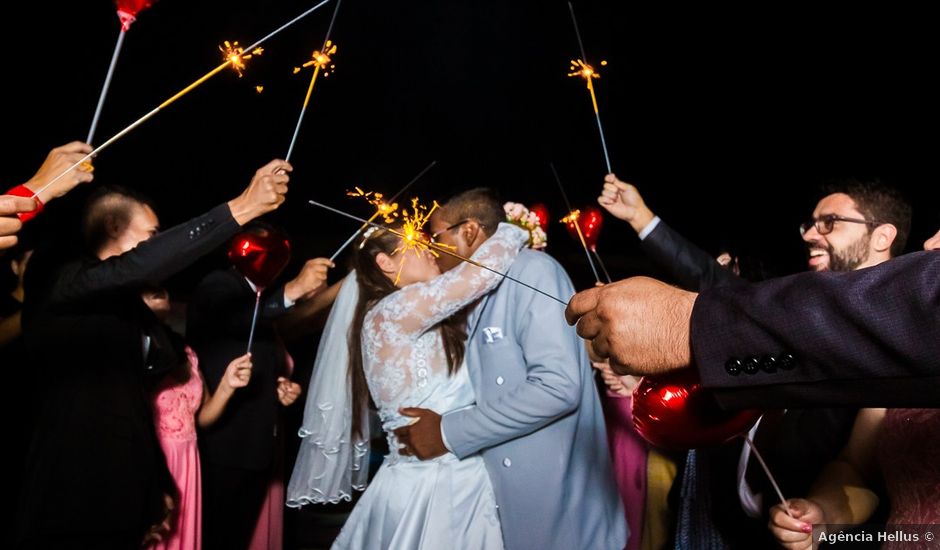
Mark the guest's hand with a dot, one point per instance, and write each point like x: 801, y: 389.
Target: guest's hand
x: 795, y: 533
x: 287, y: 391
x: 623, y: 201
x: 422, y: 438
x: 620, y: 385
x: 238, y: 373
x: 310, y: 280
x: 641, y: 324
x: 58, y: 161
x: 10, y: 224
x: 264, y: 194
x: 161, y: 531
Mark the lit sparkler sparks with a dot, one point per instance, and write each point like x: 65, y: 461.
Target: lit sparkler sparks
x: 236, y: 56
x: 572, y: 220
x: 581, y: 68
x: 388, y: 211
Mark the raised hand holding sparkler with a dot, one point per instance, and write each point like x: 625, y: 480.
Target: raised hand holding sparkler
x: 234, y: 57
x: 581, y: 68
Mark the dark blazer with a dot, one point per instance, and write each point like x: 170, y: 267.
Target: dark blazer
x: 217, y: 327
x: 867, y: 338
x: 95, y: 463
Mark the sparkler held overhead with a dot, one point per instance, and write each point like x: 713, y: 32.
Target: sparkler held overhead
x: 383, y: 208
x: 234, y: 57
x: 321, y: 61
x: 581, y: 68
x: 572, y: 221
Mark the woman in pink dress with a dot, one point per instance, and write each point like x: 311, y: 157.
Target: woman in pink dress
x: 180, y: 401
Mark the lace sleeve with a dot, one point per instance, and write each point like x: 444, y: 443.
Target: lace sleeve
x: 417, y: 307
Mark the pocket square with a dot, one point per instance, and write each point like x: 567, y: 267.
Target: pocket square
x: 492, y: 334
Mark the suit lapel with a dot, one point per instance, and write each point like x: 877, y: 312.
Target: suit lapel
x: 480, y: 310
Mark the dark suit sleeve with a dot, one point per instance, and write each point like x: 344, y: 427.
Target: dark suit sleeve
x: 690, y: 266
x: 868, y: 337
x: 152, y: 261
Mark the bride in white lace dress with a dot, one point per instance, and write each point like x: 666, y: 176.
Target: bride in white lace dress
x: 411, y: 355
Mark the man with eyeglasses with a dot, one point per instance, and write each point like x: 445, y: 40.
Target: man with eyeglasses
x: 859, y: 225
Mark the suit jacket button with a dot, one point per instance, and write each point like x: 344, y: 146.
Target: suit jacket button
x: 192, y: 234
x: 499, y: 380
x: 733, y: 366
x: 507, y: 463
x: 751, y: 365
x: 768, y: 363
x: 786, y: 361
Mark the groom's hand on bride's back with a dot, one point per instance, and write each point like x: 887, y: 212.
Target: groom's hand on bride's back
x: 421, y: 438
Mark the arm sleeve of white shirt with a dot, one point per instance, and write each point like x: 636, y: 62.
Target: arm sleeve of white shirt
x: 649, y: 228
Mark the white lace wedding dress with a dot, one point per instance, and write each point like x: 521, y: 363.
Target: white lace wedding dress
x: 444, y: 503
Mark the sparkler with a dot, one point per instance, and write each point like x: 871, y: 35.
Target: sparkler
x: 581, y: 68
x: 572, y: 218
x: 234, y: 58
x: 383, y: 208
x: 416, y: 242
x: 321, y: 61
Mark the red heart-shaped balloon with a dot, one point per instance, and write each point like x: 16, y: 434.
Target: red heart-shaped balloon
x: 259, y: 256
x: 541, y: 212
x: 132, y: 7
x: 674, y: 411
x: 590, y: 221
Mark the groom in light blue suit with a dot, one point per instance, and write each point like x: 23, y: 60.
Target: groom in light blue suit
x: 537, y: 420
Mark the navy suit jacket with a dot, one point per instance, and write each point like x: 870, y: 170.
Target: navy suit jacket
x: 867, y: 338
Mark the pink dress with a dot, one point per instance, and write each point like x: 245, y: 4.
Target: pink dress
x: 909, y: 454
x: 174, y: 414
x: 628, y: 454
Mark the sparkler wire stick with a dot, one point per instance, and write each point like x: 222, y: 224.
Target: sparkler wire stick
x: 770, y: 476
x: 600, y: 262
x: 324, y: 53
x: 589, y: 75
x: 437, y: 248
x: 233, y: 60
x: 379, y: 212
x: 254, y: 320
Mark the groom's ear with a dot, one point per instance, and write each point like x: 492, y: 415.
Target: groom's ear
x: 473, y: 234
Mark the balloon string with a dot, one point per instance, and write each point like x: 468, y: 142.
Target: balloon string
x: 254, y: 319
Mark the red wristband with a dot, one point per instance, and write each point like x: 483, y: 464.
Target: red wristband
x: 23, y: 191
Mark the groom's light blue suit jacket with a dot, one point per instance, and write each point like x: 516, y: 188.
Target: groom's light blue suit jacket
x: 537, y: 419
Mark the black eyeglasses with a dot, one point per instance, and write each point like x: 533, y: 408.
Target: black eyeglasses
x: 434, y: 236
x: 825, y: 224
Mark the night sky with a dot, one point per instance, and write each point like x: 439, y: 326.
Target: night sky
x: 726, y: 118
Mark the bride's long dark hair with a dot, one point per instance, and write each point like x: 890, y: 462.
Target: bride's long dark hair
x: 373, y: 286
